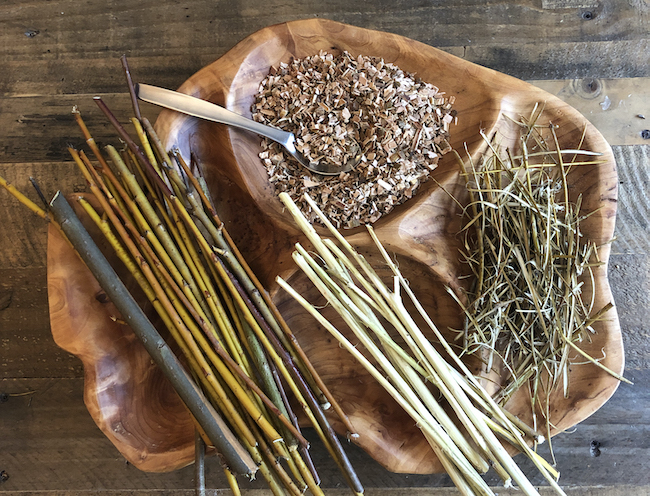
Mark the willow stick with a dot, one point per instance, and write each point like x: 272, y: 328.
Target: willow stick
x: 392, y: 365
x: 232, y: 482
x: 160, y: 296
x: 175, y: 204
x: 13, y: 191
x: 225, y: 242
x: 496, y: 449
x: 131, y: 86
x: 440, y: 447
x: 271, y: 338
x: 214, y: 426
x: 190, y: 331
x: 400, y: 361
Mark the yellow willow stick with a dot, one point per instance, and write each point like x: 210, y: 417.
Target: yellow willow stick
x: 232, y: 482
x: 226, y: 243
x: 297, y: 481
x: 279, y: 470
x: 295, y: 471
x: 163, y: 243
x: 13, y: 191
x: 154, y: 283
x: 146, y: 145
x: 305, y: 473
x: 336, y: 454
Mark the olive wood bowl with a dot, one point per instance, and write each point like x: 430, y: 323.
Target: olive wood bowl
x: 134, y: 405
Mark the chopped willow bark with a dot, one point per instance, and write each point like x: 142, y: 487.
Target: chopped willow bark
x: 334, y: 103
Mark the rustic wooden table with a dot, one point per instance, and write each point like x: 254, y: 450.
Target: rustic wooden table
x: 56, y: 54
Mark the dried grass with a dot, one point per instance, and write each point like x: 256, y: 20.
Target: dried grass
x: 526, y: 312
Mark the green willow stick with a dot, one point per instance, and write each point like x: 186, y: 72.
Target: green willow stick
x: 340, y: 455
x: 225, y: 372
x: 23, y: 199
x: 225, y: 242
x: 215, y: 428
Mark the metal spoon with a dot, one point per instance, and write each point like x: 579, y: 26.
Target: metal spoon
x: 205, y: 110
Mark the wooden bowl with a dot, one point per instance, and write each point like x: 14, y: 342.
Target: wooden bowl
x: 420, y: 233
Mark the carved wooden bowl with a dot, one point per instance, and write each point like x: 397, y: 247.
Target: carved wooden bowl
x: 124, y: 392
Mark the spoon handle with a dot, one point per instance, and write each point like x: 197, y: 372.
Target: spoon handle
x: 205, y: 110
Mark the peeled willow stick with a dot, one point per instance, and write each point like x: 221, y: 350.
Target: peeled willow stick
x: 345, y: 298
x: 210, y: 421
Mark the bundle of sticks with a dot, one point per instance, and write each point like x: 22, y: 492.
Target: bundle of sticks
x: 242, y: 362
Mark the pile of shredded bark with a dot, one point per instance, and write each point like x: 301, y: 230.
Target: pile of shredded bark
x: 334, y: 103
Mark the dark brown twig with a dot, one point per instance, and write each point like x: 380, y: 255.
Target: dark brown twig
x: 129, y: 82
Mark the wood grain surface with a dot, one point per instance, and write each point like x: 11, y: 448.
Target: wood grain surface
x: 421, y: 233
x: 58, y: 54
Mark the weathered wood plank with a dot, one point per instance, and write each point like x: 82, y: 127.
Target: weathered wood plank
x: 565, y: 60
x: 549, y: 60
x: 26, y: 345
x: 54, y: 48
x: 50, y: 443
x: 42, y: 127
x: 39, y: 128
x: 619, y: 108
x: 438, y: 491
